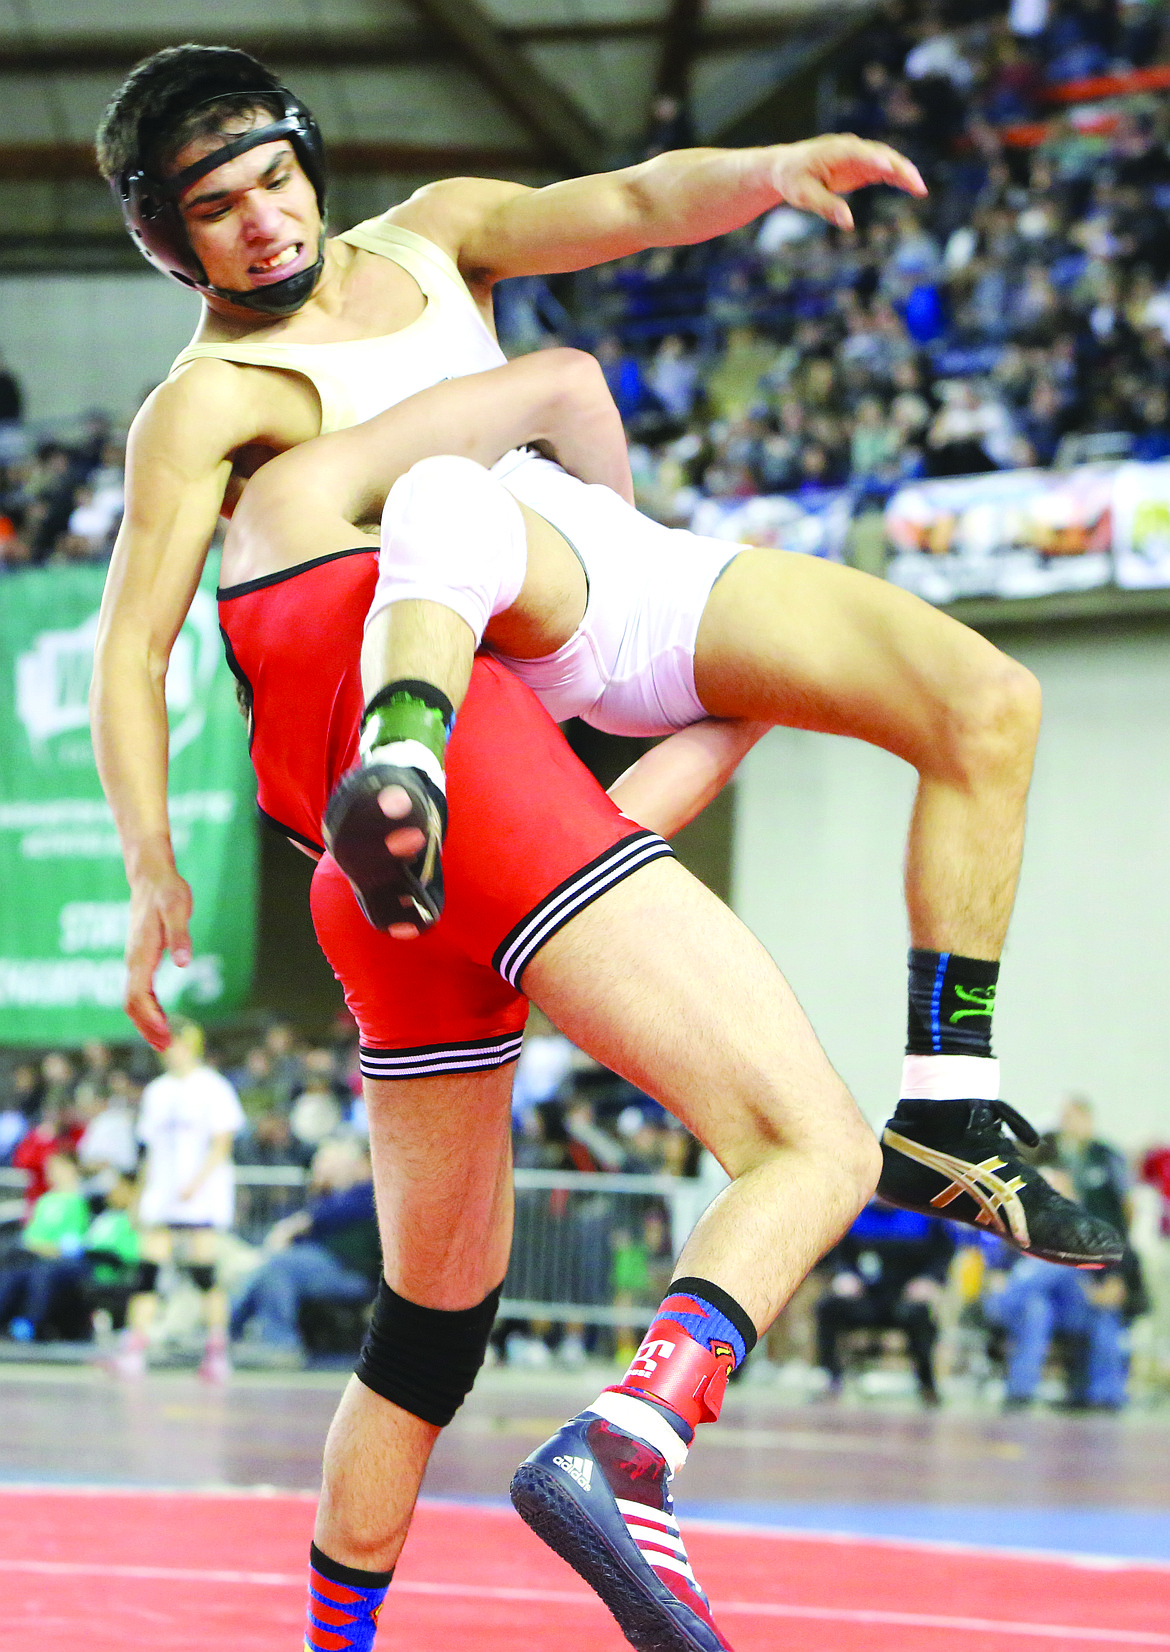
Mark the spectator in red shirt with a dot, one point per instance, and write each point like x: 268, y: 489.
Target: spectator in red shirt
x: 1155, y: 1169
x: 55, y: 1130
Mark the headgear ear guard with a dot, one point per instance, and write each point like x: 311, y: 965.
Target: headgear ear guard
x: 151, y: 211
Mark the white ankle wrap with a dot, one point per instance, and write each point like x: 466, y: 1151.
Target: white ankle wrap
x: 950, y: 1078
x: 634, y: 1416
x: 451, y: 534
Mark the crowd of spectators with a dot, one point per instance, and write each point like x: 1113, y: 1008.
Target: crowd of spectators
x: 304, y: 1229
x: 61, y: 498
x: 301, y: 1264
x: 1021, y: 311
x: 1019, y: 314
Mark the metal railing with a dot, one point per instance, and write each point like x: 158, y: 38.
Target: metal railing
x: 596, y: 1249
x: 264, y: 1193
x: 588, y: 1249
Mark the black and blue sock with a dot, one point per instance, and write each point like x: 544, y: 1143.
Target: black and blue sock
x: 948, y: 1033
x: 952, y: 1000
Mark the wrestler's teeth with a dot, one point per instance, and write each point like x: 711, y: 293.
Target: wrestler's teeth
x: 274, y: 263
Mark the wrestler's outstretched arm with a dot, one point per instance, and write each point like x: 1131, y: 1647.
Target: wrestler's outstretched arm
x: 177, y: 471
x: 495, y: 229
x: 675, y: 780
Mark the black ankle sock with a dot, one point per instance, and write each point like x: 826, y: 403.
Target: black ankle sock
x: 348, y: 1575
x: 951, y: 1004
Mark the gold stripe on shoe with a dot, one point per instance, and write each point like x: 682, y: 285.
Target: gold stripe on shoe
x: 995, y: 1197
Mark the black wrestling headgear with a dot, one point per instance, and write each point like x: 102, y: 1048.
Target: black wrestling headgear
x: 150, y: 202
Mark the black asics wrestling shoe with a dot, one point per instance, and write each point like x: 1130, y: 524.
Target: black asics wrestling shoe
x: 390, y: 890
x: 601, y: 1499
x: 953, y: 1159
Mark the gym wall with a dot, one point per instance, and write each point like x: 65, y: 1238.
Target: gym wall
x: 83, y: 341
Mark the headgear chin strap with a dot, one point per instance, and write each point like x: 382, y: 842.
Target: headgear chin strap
x: 150, y: 208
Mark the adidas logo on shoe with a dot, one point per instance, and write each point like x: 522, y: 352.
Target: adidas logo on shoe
x: 579, y: 1469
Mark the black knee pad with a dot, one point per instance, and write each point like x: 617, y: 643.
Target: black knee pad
x: 201, y: 1275
x: 425, y: 1359
x: 147, y: 1277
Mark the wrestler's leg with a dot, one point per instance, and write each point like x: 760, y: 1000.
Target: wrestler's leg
x: 794, y: 640
x: 441, y: 1152
x: 662, y: 983
x: 748, y: 1077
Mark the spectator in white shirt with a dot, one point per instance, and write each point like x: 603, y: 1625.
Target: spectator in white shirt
x: 108, y: 1147
x: 188, y: 1119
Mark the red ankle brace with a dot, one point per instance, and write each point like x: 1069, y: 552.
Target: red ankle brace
x: 678, y: 1372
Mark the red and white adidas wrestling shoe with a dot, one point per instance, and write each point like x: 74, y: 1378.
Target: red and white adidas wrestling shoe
x: 598, y: 1493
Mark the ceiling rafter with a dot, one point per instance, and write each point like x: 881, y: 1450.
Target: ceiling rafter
x: 680, y: 40
x: 302, y: 50
x: 97, y: 54
x: 547, y: 111
x: 805, y: 50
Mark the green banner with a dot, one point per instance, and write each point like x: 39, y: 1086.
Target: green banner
x: 64, y: 904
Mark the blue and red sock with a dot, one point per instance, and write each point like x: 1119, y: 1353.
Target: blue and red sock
x: 711, y: 1317
x: 343, y: 1605
x: 684, y: 1375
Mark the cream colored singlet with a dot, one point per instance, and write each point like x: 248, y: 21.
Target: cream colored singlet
x: 362, y: 377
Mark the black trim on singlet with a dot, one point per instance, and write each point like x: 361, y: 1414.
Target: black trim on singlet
x: 226, y: 593
x: 525, y: 939
x: 470, y: 1055
x: 244, y: 690
x: 317, y: 849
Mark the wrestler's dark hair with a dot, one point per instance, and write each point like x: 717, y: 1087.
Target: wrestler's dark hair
x: 175, y: 95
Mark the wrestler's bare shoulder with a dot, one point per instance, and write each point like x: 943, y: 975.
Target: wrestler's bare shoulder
x: 450, y: 211
x: 211, y: 408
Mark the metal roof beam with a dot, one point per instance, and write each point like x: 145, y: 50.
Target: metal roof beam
x: 548, y: 113
x: 96, y: 54
x: 680, y: 40
x: 119, y: 53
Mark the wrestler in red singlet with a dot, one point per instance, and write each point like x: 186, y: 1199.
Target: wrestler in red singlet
x: 533, y: 838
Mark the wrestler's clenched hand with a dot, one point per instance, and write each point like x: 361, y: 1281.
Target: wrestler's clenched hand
x: 160, y: 913
x: 814, y: 174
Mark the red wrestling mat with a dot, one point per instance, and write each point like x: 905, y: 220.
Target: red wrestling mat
x: 161, y: 1572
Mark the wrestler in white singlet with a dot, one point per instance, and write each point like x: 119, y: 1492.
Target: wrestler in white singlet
x: 629, y: 667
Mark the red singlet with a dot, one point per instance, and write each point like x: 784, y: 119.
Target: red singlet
x: 532, y: 841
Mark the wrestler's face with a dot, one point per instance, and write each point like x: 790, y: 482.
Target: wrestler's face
x: 254, y: 220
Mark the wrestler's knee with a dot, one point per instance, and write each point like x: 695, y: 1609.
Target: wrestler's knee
x: 452, y: 534
x: 425, y: 1360
x: 851, y: 1154
x: 823, y: 1128
x: 443, y: 489
x: 991, y: 721
x: 444, y: 476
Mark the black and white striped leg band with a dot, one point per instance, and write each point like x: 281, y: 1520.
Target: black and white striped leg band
x: 518, y: 948
x: 431, y: 1060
